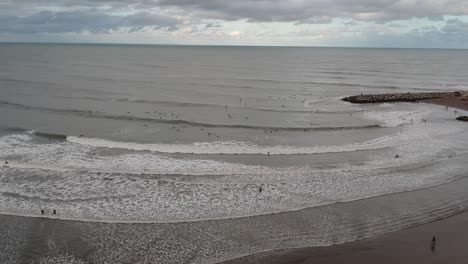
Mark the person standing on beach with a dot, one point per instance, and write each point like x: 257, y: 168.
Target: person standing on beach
x: 433, y: 244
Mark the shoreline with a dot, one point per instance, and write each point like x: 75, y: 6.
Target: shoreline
x: 410, y: 245
x: 454, y: 102
x: 333, y: 224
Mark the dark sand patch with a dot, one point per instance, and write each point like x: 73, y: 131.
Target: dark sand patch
x: 460, y: 102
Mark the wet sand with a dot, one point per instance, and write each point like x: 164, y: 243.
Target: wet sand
x: 411, y: 245
x: 460, y: 102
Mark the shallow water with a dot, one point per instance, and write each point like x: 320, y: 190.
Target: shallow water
x: 44, y: 240
x: 169, y: 136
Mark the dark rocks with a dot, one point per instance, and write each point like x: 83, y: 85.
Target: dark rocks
x: 462, y: 118
x: 397, y: 97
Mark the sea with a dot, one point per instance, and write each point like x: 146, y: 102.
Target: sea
x: 200, y: 154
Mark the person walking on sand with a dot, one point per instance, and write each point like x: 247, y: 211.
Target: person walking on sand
x: 433, y: 244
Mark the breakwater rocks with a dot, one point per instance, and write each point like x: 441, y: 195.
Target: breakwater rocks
x: 463, y: 118
x: 397, y: 97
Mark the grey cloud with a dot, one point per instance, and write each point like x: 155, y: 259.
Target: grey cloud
x: 316, y: 10
x: 454, y: 34
x: 80, y: 21
x: 315, y: 20
x: 350, y: 23
x: 213, y: 26
x: 106, y: 15
x: 455, y: 30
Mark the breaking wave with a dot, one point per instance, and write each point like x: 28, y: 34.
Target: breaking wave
x: 95, y: 114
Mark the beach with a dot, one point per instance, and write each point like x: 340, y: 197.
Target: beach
x: 454, y: 102
x: 167, y: 154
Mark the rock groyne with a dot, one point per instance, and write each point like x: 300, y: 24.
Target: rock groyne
x: 398, y: 97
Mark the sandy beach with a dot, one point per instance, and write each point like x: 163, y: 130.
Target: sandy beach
x: 460, y: 102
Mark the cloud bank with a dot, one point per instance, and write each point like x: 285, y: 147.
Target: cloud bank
x: 332, y: 19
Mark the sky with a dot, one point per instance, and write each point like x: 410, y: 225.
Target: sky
x: 336, y: 23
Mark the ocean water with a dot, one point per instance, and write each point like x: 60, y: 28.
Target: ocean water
x: 171, y: 135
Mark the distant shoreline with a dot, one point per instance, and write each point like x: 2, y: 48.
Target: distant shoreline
x: 226, y: 45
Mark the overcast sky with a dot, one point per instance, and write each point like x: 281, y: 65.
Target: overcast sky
x: 366, y: 23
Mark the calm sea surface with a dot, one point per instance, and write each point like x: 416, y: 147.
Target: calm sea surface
x: 157, y: 139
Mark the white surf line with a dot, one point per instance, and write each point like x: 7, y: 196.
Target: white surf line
x: 96, y: 220
x: 229, y: 147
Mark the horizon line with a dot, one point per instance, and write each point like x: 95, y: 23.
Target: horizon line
x: 220, y: 45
